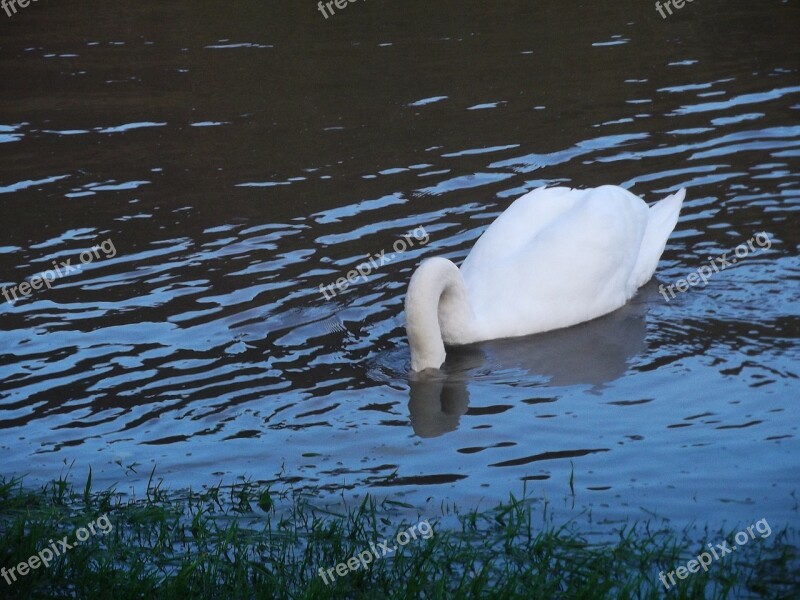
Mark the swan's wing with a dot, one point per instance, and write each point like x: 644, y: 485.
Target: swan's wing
x: 574, y: 269
x: 527, y: 216
x: 661, y: 221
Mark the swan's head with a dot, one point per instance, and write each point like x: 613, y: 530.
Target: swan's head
x: 437, y: 311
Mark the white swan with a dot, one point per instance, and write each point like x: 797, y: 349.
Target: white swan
x: 556, y: 257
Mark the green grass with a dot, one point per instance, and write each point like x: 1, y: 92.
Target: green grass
x: 248, y: 541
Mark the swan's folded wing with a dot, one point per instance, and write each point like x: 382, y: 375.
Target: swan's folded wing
x: 520, y: 223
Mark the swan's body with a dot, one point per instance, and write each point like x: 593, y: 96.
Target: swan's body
x: 556, y: 257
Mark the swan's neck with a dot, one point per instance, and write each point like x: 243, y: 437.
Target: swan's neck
x: 437, y: 312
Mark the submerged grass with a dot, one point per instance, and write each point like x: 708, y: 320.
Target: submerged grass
x: 248, y: 541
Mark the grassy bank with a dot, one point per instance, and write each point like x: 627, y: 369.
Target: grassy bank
x: 251, y: 542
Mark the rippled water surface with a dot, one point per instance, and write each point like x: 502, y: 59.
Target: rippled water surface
x: 236, y: 158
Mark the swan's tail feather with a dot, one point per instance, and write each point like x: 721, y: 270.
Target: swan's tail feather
x: 661, y: 221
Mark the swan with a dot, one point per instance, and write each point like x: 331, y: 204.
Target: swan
x: 556, y: 257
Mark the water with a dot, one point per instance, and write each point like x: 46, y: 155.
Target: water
x: 237, y: 159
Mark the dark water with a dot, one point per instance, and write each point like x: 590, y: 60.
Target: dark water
x: 236, y: 157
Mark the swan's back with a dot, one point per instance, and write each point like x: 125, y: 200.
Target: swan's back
x: 560, y: 256
x: 527, y: 216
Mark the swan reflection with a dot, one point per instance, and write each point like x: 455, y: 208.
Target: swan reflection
x: 593, y: 353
